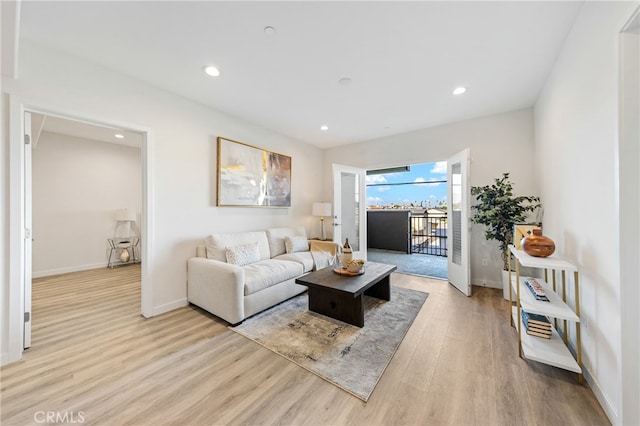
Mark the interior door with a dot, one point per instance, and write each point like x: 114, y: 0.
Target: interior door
x: 458, y: 213
x: 27, y: 229
x: 349, y: 201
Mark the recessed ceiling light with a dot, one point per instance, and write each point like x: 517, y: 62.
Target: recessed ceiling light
x: 344, y: 81
x: 324, y: 127
x: 211, y: 70
x: 119, y: 136
x: 459, y: 90
x: 270, y: 31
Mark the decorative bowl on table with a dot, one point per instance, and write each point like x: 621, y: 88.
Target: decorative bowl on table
x: 355, y: 266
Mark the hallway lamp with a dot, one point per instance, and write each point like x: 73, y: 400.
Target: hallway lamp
x: 323, y: 210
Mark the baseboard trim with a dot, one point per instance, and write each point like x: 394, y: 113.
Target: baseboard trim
x: 607, y: 406
x: 159, y: 310
x: 4, y: 358
x: 68, y: 269
x: 490, y: 284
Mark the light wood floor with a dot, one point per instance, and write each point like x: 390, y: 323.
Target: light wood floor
x: 94, y: 356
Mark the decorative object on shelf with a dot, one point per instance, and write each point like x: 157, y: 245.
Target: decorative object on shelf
x: 124, y: 254
x: 536, y: 244
x: 498, y: 209
x: 252, y: 177
x: 536, y: 325
x: 355, y: 266
x: 323, y: 210
x: 341, y: 270
x: 536, y: 289
x: 347, y: 253
x: 520, y: 231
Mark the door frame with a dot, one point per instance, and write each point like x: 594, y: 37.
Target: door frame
x: 460, y: 277
x: 28, y: 225
x: 337, y: 215
x: 16, y: 289
x: 627, y: 206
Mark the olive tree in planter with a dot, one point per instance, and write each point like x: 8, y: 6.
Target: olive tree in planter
x: 498, y: 209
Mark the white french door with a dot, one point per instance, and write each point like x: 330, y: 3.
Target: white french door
x: 350, y: 208
x: 27, y: 229
x: 458, y: 212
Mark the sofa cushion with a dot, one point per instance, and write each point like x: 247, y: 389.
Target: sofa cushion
x: 243, y: 254
x: 296, y: 244
x: 263, y: 274
x: 276, y: 238
x: 304, y: 258
x: 217, y: 243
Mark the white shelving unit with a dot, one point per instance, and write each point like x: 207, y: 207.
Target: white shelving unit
x: 554, y: 351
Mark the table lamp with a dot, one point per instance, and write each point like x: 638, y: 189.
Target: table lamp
x: 322, y: 210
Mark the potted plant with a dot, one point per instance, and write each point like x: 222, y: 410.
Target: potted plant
x: 498, y: 209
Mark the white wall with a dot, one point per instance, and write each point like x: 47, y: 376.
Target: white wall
x: 78, y: 184
x: 498, y: 143
x: 183, y: 146
x: 576, y: 143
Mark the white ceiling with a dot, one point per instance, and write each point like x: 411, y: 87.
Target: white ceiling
x: 404, y: 58
x: 48, y: 123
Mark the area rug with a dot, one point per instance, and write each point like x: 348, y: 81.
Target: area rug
x: 350, y: 357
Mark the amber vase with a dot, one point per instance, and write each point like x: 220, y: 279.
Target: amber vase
x: 537, y: 244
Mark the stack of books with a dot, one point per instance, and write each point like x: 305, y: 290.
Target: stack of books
x: 536, y: 289
x: 536, y: 325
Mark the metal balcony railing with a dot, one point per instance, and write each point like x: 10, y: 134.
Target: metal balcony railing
x: 429, y: 234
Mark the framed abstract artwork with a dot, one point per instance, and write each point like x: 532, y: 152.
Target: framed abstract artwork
x: 252, y: 177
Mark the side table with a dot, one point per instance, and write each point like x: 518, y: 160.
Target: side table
x: 117, y: 245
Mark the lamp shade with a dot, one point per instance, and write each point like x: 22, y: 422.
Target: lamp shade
x: 126, y: 215
x: 321, y: 209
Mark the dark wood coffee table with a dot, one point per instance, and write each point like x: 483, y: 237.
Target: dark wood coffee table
x: 342, y: 297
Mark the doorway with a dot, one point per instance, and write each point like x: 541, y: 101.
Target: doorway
x: 407, y: 218
x: 20, y: 199
x: 81, y: 176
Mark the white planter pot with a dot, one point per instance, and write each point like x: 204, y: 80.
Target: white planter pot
x: 505, y: 284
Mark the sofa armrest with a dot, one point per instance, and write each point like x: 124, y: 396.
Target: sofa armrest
x: 217, y: 287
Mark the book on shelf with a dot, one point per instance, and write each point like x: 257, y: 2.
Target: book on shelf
x: 536, y: 289
x: 537, y: 329
x: 535, y: 333
x: 535, y: 320
x: 546, y: 331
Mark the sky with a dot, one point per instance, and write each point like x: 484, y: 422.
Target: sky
x: 404, y: 195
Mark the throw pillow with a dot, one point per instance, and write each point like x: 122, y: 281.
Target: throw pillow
x: 243, y: 254
x: 322, y: 259
x: 296, y: 244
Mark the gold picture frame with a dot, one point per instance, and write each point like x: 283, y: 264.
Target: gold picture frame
x: 249, y: 176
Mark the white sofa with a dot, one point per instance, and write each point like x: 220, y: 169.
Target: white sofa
x: 236, y: 275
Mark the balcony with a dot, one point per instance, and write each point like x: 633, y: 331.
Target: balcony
x: 415, y: 240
